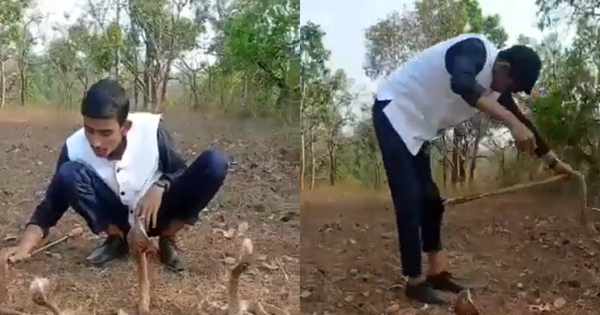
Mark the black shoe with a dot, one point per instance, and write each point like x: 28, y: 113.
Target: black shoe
x: 444, y: 281
x: 114, y: 247
x: 169, y: 256
x: 423, y: 292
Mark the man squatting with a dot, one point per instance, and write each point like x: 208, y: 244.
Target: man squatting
x: 439, y: 88
x: 122, y: 165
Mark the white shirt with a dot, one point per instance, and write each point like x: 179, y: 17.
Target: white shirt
x: 422, y: 102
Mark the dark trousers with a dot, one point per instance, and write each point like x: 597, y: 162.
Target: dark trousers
x: 417, y: 202
x: 187, y: 196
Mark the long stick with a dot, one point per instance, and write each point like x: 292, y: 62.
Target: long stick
x: 577, y: 175
x: 461, y: 200
x: 75, y: 232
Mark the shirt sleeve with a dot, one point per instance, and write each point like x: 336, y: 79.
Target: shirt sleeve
x: 464, y: 61
x: 171, y: 163
x: 509, y: 103
x: 55, y: 204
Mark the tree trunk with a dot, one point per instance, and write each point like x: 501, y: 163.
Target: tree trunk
x: 3, y: 74
x: 23, y: 78
x: 313, y: 167
x: 332, y: 163
x: 302, y: 157
x: 475, y: 150
x: 444, y: 161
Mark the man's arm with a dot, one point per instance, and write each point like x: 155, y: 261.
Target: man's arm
x: 464, y: 61
x: 542, y: 149
x: 171, y: 163
x: 49, y: 211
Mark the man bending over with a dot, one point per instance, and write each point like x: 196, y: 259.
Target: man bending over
x: 120, y: 166
x: 438, y: 89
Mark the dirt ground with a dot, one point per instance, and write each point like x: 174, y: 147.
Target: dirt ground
x: 261, y: 190
x: 521, y: 253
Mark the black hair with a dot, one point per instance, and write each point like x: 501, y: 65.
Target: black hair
x: 106, y: 99
x: 525, y: 65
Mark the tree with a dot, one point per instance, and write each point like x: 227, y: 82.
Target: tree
x: 263, y: 37
x: 395, y: 39
x: 313, y: 56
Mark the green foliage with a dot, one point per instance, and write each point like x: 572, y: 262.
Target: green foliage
x: 158, y: 51
x: 262, y: 38
x: 262, y: 34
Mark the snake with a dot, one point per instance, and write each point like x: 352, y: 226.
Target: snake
x: 140, y: 243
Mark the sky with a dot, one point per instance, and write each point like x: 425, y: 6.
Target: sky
x: 344, y: 23
x: 57, y: 15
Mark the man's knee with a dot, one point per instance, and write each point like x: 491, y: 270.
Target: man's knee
x: 73, y: 173
x: 216, y: 163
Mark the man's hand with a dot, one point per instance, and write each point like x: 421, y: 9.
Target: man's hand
x: 14, y: 254
x: 147, y: 207
x: 524, y: 138
x: 562, y: 168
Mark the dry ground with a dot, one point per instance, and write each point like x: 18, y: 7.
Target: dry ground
x: 260, y: 190
x: 520, y: 252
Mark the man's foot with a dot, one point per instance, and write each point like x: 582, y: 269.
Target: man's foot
x: 114, y: 247
x: 423, y: 292
x: 169, y: 255
x: 444, y: 281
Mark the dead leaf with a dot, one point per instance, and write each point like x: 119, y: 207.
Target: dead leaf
x: 261, y: 257
x: 392, y: 309
x: 122, y: 312
x: 270, y: 266
x: 229, y: 260
x: 539, y: 308
x: 242, y: 228
x: 227, y: 234
x: 305, y: 294
x: 349, y: 298
x: 560, y: 302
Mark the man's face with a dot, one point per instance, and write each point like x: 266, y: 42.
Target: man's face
x: 104, y: 135
x: 501, y: 80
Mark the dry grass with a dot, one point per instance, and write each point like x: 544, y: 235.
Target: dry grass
x: 256, y: 192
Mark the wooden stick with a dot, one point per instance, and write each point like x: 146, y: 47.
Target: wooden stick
x: 502, y: 191
x: 75, y: 232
